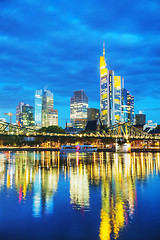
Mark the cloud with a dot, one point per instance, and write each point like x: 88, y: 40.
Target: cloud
x: 58, y: 44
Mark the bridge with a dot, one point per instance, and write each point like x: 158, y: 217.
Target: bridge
x: 124, y: 131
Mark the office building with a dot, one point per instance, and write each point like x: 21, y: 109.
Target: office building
x: 110, y: 94
x: 117, y: 99
x: 130, y: 103
x: 49, y: 117
x: 78, y: 109
x: 38, y: 107
x: 24, y: 115
x: 45, y: 115
x: 140, y: 119
x: 47, y: 101
x: 92, y: 114
x: 124, y: 117
x: 18, y: 113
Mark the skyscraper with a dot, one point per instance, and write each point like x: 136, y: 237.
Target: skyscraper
x: 104, y: 90
x: 24, y: 115
x: 125, y: 106
x: 47, y: 101
x: 27, y: 115
x: 50, y: 117
x: 18, y: 113
x: 38, y: 107
x: 117, y: 99
x: 140, y: 119
x: 92, y: 114
x: 45, y: 115
x: 110, y: 94
x: 130, y: 103
x: 78, y: 109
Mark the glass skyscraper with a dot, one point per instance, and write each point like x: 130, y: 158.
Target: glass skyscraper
x: 24, y: 115
x: 38, y: 107
x: 47, y: 100
x: 18, y: 113
x: 49, y: 117
x: 27, y: 115
x: 124, y: 117
x: 78, y: 109
x: 45, y: 115
x: 104, y: 90
x: 110, y: 94
x: 130, y: 102
x: 117, y: 99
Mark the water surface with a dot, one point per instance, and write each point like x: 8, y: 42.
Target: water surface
x: 45, y: 195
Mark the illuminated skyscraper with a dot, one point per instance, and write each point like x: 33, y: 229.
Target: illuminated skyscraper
x: 104, y: 90
x: 117, y: 99
x: 18, y: 112
x: 92, y: 114
x: 110, y: 94
x: 140, y: 119
x: 49, y: 117
x: 38, y: 107
x: 78, y: 109
x: 26, y: 117
x: 130, y: 103
x: 124, y: 116
x: 45, y: 115
x: 47, y: 100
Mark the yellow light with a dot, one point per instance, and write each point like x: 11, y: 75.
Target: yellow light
x: 117, y: 82
x: 104, y: 112
x: 104, y: 96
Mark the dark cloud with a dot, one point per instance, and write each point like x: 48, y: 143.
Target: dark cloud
x: 57, y: 45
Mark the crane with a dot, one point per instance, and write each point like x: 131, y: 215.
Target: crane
x: 10, y: 114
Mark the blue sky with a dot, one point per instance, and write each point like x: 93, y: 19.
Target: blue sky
x: 56, y: 45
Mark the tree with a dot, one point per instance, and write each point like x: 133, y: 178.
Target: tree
x: 52, y: 129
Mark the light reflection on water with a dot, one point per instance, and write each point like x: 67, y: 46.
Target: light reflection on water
x: 37, y: 175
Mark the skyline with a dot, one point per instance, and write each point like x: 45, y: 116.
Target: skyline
x: 62, y: 47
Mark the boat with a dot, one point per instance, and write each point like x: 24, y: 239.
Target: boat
x: 78, y: 148
x: 124, y: 148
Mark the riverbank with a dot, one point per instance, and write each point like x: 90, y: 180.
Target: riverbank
x: 58, y: 149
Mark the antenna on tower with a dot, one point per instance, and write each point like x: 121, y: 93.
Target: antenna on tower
x: 103, y: 49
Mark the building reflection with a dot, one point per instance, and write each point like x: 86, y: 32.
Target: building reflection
x: 119, y: 189
x: 36, y: 175
x: 79, y: 187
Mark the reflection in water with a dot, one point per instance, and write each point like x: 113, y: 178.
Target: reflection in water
x: 79, y: 187
x: 37, y: 174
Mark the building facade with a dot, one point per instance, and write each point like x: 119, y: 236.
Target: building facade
x: 45, y: 115
x: 38, y: 107
x: 92, y: 114
x: 49, y: 117
x: 19, y: 113
x: 47, y: 101
x: 78, y: 109
x: 124, y: 116
x: 24, y: 115
x: 27, y: 115
x: 140, y: 119
x: 130, y: 103
x: 110, y: 94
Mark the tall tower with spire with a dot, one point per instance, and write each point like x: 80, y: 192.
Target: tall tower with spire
x: 110, y: 94
x: 104, y: 89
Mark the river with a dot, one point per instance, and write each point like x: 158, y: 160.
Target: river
x: 79, y: 196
